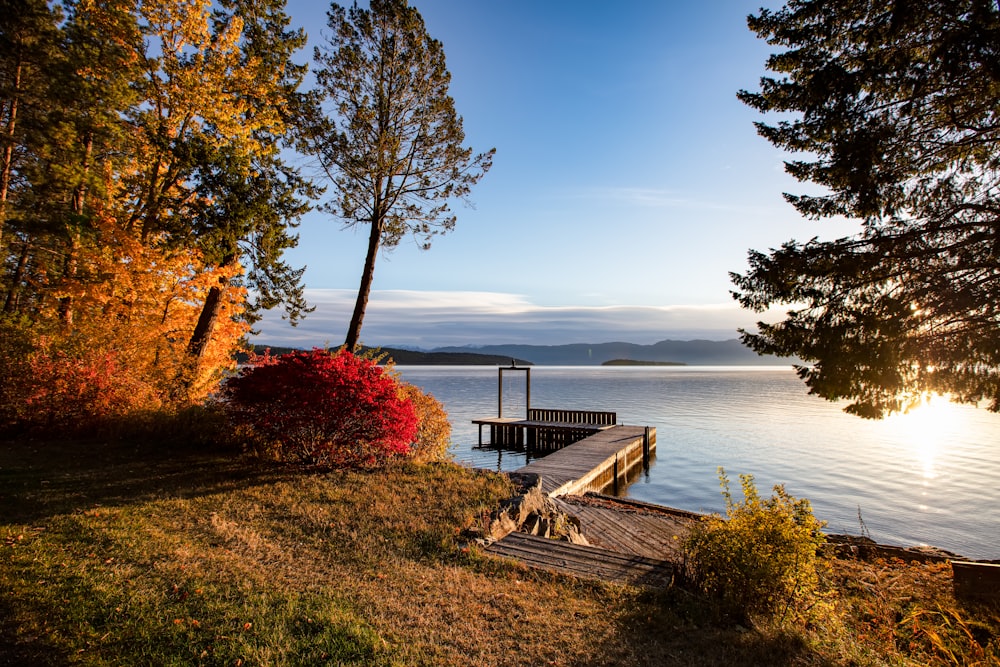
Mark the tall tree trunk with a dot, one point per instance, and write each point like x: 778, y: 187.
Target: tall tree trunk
x: 367, y: 277
x: 7, y: 164
x: 10, y: 303
x: 69, y: 275
x: 79, y: 200
x: 206, y: 320
x: 202, y: 335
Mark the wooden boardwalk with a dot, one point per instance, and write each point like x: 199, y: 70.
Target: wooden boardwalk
x: 594, y: 463
x: 629, y: 542
x: 583, y: 561
x: 628, y: 526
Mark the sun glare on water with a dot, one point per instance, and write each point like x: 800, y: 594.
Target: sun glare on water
x: 925, y: 428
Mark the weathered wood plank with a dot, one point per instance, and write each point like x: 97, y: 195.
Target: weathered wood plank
x: 582, y: 561
x: 590, y: 464
x: 646, y: 531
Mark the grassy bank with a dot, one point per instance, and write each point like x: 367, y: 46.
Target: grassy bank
x: 134, y: 554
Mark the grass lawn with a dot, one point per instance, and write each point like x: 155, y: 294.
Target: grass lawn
x: 140, y: 554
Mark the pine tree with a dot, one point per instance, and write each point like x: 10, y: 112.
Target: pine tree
x: 896, y: 110
x: 386, y: 133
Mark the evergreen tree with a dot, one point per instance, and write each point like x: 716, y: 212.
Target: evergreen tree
x: 255, y: 197
x: 386, y: 133
x: 896, y: 113
x: 31, y: 48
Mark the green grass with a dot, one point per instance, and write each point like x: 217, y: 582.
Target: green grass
x: 114, y: 554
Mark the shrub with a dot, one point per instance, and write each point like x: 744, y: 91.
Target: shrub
x: 53, y: 385
x: 434, y: 430
x: 15, y: 349
x: 761, y: 558
x: 321, y: 408
x: 76, y: 392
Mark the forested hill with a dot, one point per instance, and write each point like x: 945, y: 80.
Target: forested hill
x: 434, y: 358
x: 688, y: 352
x: 438, y: 358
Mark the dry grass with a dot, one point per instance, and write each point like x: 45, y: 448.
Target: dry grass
x: 125, y: 554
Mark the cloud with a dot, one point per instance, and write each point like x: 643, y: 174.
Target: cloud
x: 429, y: 319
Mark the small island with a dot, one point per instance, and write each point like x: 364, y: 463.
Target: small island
x: 635, y: 362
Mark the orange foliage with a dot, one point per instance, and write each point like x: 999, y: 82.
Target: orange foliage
x: 134, y: 308
x: 145, y: 306
x: 433, y: 428
x: 117, y: 270
x: 74, y: 392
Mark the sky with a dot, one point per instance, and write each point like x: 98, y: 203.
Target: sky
x: 628, y: 182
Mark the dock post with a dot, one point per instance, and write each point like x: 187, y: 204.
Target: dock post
x: 615, y: 473
x: 645, y: 449
x: 527, y: 392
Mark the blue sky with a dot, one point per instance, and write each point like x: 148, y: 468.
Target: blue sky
x: 628, y: 181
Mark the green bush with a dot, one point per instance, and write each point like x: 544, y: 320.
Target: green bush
x: 759, y: 561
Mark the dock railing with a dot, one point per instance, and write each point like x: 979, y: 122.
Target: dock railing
x: 597, y: 418
x: 545, y: 429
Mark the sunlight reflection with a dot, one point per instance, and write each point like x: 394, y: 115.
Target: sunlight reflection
x: 924, y: 427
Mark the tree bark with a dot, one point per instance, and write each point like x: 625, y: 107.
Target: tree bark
x: 78, y: 202
x: 202, y: 335
x: 69, y: 274
x: 206, y: 321
x: 8, y: 152
x: 367, y: 277
x: 10, y: 303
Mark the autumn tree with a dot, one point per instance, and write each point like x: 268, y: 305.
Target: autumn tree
x: 385, y: 132
x: 145, y: 188
x: 254, y: 197
x: 894, y: 109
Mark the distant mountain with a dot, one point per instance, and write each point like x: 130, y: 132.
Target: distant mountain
x: 686, y: 352
x: 633, y: 362
x: 689, y: 352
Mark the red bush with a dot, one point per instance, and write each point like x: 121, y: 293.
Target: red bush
x: 74, y: 393
x: 323, y: 408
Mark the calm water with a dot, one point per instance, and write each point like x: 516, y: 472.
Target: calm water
x: 930, y: 477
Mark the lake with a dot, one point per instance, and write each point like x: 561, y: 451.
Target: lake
x: 930, y: 477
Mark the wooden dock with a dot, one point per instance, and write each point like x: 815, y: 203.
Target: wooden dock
x: 629, y: 542
x: 585, y: 450
x: 543, y: 429
x: 629, y: 526
x: 594, y: 463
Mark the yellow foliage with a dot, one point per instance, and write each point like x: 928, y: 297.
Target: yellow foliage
x: 117, y: 278
x: 201, y: 80
x: 760, y: 560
